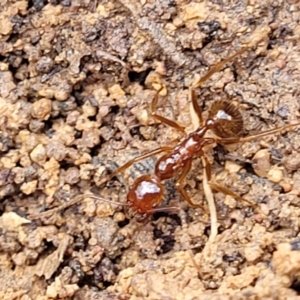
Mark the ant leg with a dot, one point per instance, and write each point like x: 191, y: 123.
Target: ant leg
x: 161, y: 118
x: 197, y: 109
x: 222, y: 189
x: 180, y: 187
x: 218, y: 67
x: 227, y: 141
x: 227, y: 191
x: 134, y: 160
x: 210, y: 72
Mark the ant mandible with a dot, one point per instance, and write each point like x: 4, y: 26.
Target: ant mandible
x: 224, y: 120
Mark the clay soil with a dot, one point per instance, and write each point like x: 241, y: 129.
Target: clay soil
x: 76, y: 83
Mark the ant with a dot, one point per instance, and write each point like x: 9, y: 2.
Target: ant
x: 224, y: 120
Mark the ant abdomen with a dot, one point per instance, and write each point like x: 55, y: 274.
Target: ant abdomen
x: 227, y: 118
x: 145, y: 194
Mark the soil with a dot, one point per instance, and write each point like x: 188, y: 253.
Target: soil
x: 77, y: 79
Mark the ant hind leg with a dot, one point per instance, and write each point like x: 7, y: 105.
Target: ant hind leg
x: 228, y: 141
x: 197, y: 109
x: 218, y: 67
x: 162, y: 119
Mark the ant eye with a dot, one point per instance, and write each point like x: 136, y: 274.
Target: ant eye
x: 228, y: 119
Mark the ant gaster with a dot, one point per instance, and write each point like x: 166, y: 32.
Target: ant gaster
x: 224, y: 120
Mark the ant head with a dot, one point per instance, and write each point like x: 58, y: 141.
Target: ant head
x: 145, y: 194
x: 225, y: 120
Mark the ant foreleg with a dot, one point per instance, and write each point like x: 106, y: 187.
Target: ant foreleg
x: 134, y: 160
x: 162, y: 119
x: 180, y: 186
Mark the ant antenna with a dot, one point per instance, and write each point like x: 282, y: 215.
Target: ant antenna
x: 77, y: 199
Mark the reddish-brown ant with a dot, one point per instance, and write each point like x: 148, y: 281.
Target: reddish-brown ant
x: 224, y: 120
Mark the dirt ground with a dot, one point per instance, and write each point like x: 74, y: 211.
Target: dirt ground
x: 77, y: 79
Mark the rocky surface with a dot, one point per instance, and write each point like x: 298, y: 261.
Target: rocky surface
x: 77, y: 79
